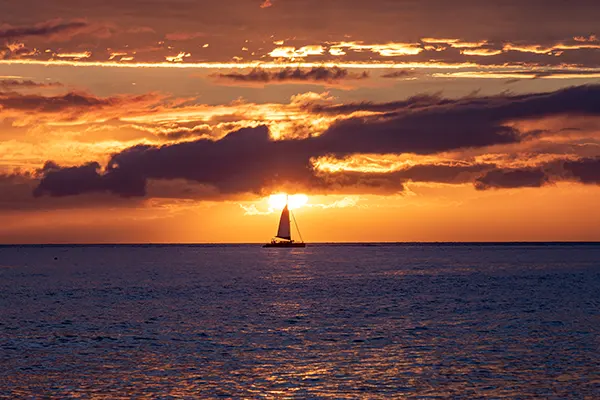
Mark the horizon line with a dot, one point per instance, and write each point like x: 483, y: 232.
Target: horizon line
x: 518, y: 242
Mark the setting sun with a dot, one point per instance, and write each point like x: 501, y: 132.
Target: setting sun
x: 277, y: 201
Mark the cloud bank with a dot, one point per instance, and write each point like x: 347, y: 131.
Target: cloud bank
x: 53, y: 29
x: 250, y: 161
x: 290, y: 75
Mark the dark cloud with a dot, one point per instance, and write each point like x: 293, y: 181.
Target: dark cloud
x: 291, y: 75
x: 562, y: 72
x: 549, y: 73
x: 71, y: 105
x: 374, y: 20
x: 26, y: 84
x: 455, y: 173
x: 71, y: 181
x: 19, y: 51
x: 297, y: 22
x: 394, y: 182
x: 414, y: 102
x: 586, y: 170
x: 412, y: 134
x: 49, y: 104
x: 245, y: 161
x: 579, y: 100
x: 512, y: 178
x: 428, y: 124
x: 16, y: 195
x: 48, y: 29
x: 186, y: 133
x: 248, y: 160
x: 399, y: 74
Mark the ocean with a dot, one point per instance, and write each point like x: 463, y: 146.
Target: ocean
x: 374, y: 321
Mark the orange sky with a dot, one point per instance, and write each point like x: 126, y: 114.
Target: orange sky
x: 136, y: 123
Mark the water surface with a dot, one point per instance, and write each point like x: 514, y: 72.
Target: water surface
x: 327, y: 321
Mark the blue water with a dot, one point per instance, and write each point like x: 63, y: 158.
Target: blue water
x: 327, y: 321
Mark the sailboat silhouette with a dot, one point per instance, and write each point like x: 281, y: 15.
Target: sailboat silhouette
x: 284, y: 233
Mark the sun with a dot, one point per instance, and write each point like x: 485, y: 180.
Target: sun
x: 277, y: 201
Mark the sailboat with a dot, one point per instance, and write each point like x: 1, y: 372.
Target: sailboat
x: 284, y: 233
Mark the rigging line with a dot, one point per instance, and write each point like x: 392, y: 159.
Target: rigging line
x: 296, y: 224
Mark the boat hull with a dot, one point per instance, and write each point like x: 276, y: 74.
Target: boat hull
x: 285, y: 244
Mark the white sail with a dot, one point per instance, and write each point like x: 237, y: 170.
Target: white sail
x: 284, y: 225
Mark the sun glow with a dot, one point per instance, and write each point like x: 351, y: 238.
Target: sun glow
x: 277, y: 201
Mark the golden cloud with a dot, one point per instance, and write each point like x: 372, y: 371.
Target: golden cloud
x: 481, y: 52
x: 77, y: 56
x: 178, y: 58
x: 390, y: 49
x: 293, y: 53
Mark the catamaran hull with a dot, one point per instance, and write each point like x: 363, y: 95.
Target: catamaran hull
x: 285, y: 245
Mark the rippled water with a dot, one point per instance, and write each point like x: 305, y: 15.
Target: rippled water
x: 390, y: 321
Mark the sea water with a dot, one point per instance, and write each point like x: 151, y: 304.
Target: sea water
x: 328, y: 321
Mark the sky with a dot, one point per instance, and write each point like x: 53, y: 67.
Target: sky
x: 138, y: 121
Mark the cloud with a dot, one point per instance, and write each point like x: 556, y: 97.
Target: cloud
x: 576, y: 100
x: 158, y: 63
x: 256, y: 161
x: 16, y: 50
x: 346, y: 202
x: 455, y: 173
x: 389, y: 49
x: 76, y: 56
x: 550, y: 73
x: 371, y: 42
x: 399, y: 74
x: 468, y: 45
x: 115, y: 54
x: 250, y: 161
x: 481, y: 52
x: 591, y: 38
x: 16, y: 195
x: 52, y: 29
x: 586, y: 170
x: 456, y: 43
x: 439, y: 40
x: 418, y: 101
x: 293, y: 53
x: 290, y: 75
x: 394, y: 182
x: 72, y: 180
x: 419, y: 133
x: 485, y: 48
x: 178, y: 58
x: 583, y: 170
x: 245, y: 161
x: 252, y: 210
x: 26, y: 84
x: 512, y: 178
x: 541, y: 49
x: 71, y: 106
